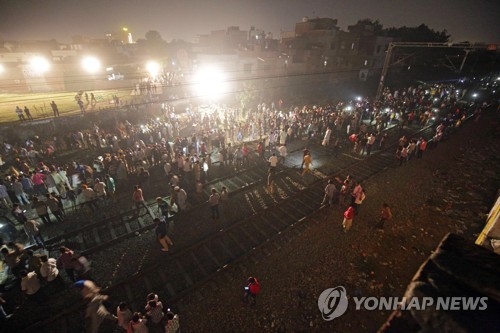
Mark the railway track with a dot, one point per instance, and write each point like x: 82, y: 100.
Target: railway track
x: 262, y: 230
x: 102, y: 234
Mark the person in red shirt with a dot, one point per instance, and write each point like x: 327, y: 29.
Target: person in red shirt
x: 245, y: 152
x: 260, y: 150
x: 251, y: 291
x: 421, y: 148
x: 385, y: 215
x: 348, y: 217
x: 138, y: 198
x: 65, y: 261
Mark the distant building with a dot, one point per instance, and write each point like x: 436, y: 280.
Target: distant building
x: 123, y: 36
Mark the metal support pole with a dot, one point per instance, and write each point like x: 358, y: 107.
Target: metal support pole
x: 463, y: 61
x: 385, y: 69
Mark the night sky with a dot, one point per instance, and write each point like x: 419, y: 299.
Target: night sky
x: 186, y: 19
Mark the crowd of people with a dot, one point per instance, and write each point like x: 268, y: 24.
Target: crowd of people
x: 128, y: 154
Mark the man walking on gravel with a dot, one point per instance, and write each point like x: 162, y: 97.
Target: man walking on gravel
x: 330, y: 192
x: 421, y: 147
x: 385, y: 215
x: 251, y: 291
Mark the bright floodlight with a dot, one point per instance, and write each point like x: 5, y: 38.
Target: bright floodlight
x: 210, y: 81
x: 39, y: 64
x: 474, y: 95
x: 358, y: 98
x: 153, y: 68
x: 91, y: 64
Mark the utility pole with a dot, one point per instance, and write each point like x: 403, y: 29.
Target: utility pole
x: 463, y: 61
x: 387, y: 62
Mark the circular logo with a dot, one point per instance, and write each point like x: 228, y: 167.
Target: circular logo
x: 332, y: 303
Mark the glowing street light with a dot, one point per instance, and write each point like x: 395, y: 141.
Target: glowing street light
x: 474, y: 95
x: 39, y: 64
x: 210, y: 81
x: 359, y: 98
x: 91, y: 64
x: 153, y: 68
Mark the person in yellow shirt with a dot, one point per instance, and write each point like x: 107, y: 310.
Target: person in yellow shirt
x: 307, y: 164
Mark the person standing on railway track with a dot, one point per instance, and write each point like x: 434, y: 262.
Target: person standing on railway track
x: 273, y: 162
x: 213, y: 201
x: 42, y: 210
x: 421, y: 147
x: 270, y: 180
x: 138, y: 199
x: 89, y: 197
x: 283, y: 153
x: 370, y: 143
x: 224, y: 196
x: 65, y: 261
x: 307, y: 164
x: 305, y: 152
x: 330, y: 192
x: 55, y: 207
x: 110, y: 187
x: 96, y: 312
x: 180, y: 198
x: 50, y: 273
x: 162, y: 233
x: 31, y: 227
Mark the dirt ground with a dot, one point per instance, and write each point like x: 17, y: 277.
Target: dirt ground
x: 449, y: 190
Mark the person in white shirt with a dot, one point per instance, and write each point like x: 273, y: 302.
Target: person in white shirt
x: 358, y: 201
x: 181, y: 198
x: 99, y: 188
x: 283, y: 153
x: 370, y: 143
x: 213, y: 201
x: 326, y: 139
x: 283, y: 137
x: 167, y: 168
x: 124, y: 315
x: 273, y: 161
x: 330, y: 191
